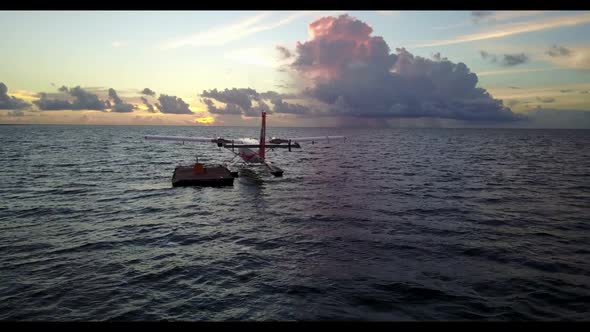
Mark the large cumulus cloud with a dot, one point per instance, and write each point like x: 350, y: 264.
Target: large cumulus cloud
x: 119, y: 106
x: 82, y: 100
x: 248, y: 102
x: 8, y: 102
x: 356, y: 74
x: 172, y: 105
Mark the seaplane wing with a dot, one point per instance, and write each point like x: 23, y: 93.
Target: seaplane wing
x: 180, y: 138
x: 275, y: 140
x: 219, y: 141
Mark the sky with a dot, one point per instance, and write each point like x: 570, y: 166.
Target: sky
x: 305, y: 68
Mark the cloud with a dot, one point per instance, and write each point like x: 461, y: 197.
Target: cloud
x: 510, y: 60
x: 437, y: 57
x: 507, y: 60
x: 117, y: 44
x: 546, y: 99
x: 487, y: 56
x: 148, y: 92
x: 46, y: 104
x: 122, y: 108
x: 515, y: 28
x: 555, y: 51
x: 222, y: 35
x: 282, y: 107
x: 584, y: 91
x: 119, y: 106
x: 83, y: 100
x: 8, y: 102
x: 355, y: 74
x: 249, y: 102
x: 239, y: 101
x: 172, y: 105
x: 229, y: 109
x: 240, y: 97
x: 574, y: 57
x: 113, y: 95
x: 566, y: 90
x: 149, y: 106
x: 284, y: 52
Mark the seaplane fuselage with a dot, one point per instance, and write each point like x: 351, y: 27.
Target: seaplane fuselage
x: 249, y: 155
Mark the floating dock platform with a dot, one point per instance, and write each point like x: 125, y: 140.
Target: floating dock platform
x: 199, y: 175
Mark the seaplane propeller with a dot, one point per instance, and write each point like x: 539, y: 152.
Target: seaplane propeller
x: 250, y: 150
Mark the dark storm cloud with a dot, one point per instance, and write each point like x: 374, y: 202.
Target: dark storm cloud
x: 172, y: 105
x: 556, y: 51
x: 149, y: 106
x: 284, y: 52
x: 506, y: 60
x: 355, y: 74
x: 8, y: 102
x: 546, y: 100
x: 63, y: 89
x: 270, y: 95
x: 566, y: 90
x: 148, y: 92
x: 282, y: 107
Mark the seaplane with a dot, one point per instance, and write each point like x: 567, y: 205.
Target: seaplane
x: 252, y: 152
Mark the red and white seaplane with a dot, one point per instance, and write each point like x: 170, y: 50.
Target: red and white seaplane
x: 251, y: 151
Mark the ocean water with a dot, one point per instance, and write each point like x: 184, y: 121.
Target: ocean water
x: 393, y: 224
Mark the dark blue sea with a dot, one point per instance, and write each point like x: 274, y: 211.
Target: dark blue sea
x: 393, y: 224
